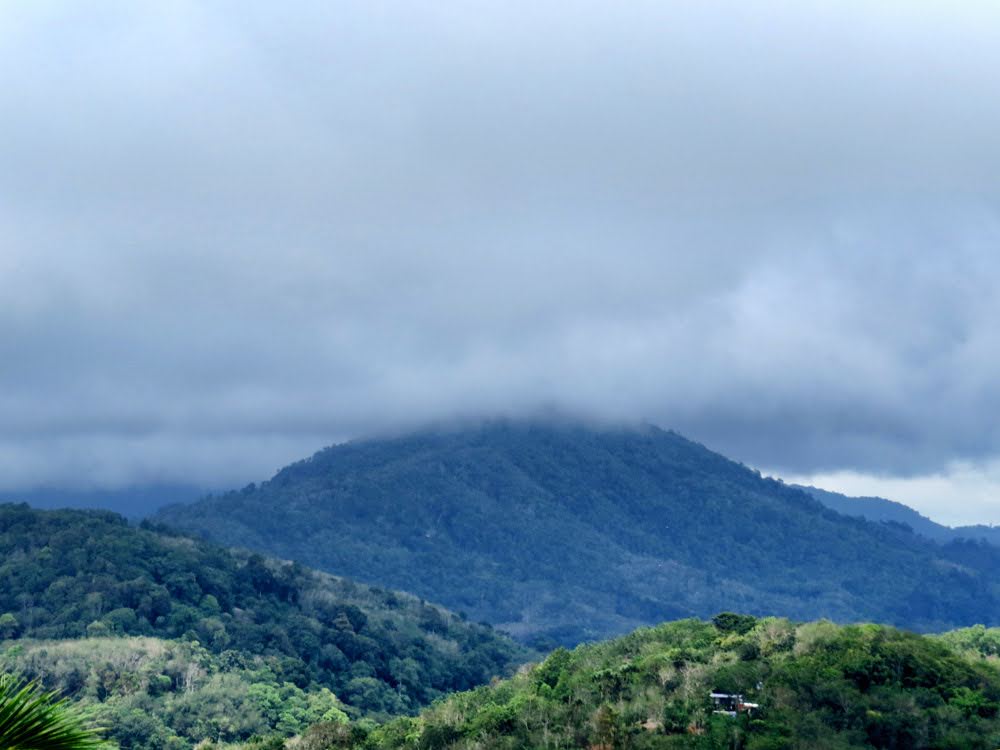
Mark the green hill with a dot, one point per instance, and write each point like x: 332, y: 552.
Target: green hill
x: 154, y: 694
x: 565, y: 532
x: 75, y: 574
x: 817, y: 686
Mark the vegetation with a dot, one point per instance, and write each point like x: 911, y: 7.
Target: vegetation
x: 562, y: 533
x: 977, y: 640
x: 559, y: 533
x: 76, y: 574
x: 817, y: 685
x: 153, y: 694
x: 31, y: 719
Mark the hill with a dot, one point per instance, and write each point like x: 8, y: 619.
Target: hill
x: 563, y: 532
x: 788, y: 686
x: 154, y: 694
x: 888, y: 511
x: 132, y: 502
x: 75, y: 574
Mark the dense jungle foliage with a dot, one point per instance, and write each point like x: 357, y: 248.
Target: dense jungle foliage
x: 71, y: 574
x: 152, y: 694
x: 816, y: 686
x: 560, y: 533
x: 819, y: 686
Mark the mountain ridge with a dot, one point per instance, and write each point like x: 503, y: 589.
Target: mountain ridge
x: 880, y: 509
x: 568, y: 532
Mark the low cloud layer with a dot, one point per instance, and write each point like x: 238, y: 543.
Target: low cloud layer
x: 962, y: 493
x: 231, y: 233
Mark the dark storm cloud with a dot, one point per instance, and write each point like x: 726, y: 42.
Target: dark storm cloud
x: 231, y: 232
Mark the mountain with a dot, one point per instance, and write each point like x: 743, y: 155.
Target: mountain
x: 888, y: 511
x: 132, y: 502
x: 75, y: 574
x: 816, y: 685
x: 561, y: 532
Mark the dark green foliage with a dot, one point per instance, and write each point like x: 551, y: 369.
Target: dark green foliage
x: 730, y: 622
x: 817, y: 685
x: 563, y: 533
x: 70, y: 574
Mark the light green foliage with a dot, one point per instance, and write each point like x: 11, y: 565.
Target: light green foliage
x: 819, y: 686
x: 154, y: 694
x: 978, y: 639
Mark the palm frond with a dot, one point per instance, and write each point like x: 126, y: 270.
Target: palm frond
x: 32, y: 719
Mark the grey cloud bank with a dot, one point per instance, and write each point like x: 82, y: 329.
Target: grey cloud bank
x: 232, y: 233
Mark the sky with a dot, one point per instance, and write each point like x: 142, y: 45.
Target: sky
x: 232, y: 233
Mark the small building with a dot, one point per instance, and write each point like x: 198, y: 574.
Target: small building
x: 732, y: 704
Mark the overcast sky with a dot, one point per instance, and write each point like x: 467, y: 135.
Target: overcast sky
x: 234, y: 232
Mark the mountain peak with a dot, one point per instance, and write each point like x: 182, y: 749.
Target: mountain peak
x: 575, y: 530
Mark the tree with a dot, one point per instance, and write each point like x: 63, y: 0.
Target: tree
x: 328, y: 736
x: 730, y: 622
x: 8, y: 625
x: 31, y: 719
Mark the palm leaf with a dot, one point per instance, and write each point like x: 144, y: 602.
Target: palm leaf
x: 32, y: 719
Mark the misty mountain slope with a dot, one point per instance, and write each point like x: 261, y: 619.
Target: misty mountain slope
x: 880, y: 509
x: 578, y: 532
x: 132, y: 502
x: 71, y: 574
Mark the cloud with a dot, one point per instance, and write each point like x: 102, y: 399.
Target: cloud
x: 230, y: 234
x: 962, y: 493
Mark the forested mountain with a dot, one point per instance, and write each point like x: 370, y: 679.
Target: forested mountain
x: 788, y: 686
x: 881, y: 510
x: 563, y: 532
x: 70, y: 574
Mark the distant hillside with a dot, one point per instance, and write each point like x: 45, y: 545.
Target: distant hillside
x: 881, y: 510
x: 70, y: 574
x: 800, y: 687
x: 131, y: 502
x: 563, y: 532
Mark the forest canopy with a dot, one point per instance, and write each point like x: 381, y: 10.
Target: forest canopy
x: 76, y: 574
x: 789, y: 686
x: 565, y: 532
